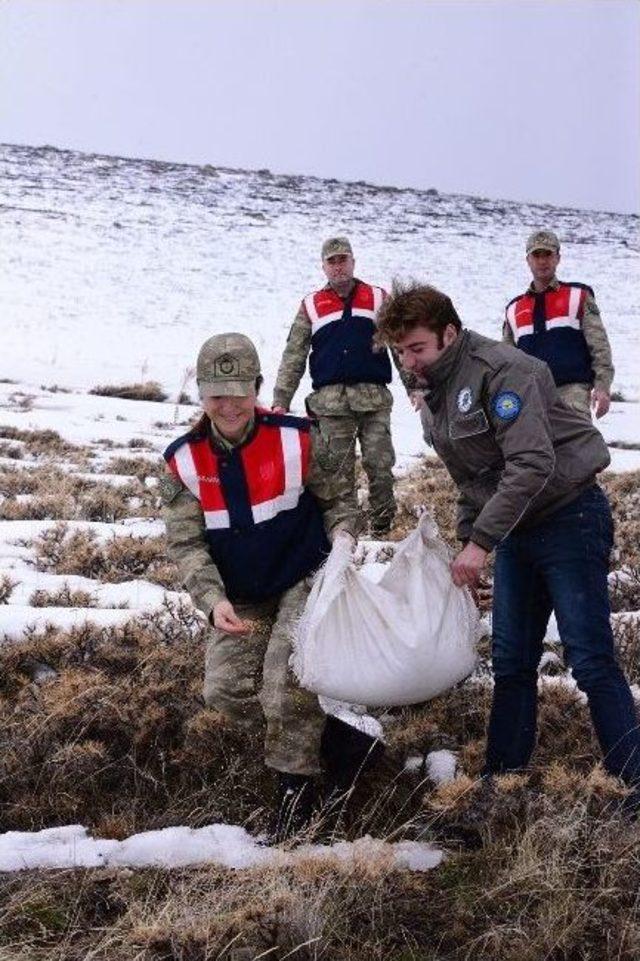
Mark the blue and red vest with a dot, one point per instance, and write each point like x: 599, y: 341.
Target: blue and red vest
x: 264, y: 529
x: 548, y: 325
x: 341, y: 337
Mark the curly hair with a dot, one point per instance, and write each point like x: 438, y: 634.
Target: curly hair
x: 414, y: 305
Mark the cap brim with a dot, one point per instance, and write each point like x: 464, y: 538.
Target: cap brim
x: 539, y: 247
x: 227, y: 388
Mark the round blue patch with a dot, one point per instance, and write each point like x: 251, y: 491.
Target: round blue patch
x: 507, y: 405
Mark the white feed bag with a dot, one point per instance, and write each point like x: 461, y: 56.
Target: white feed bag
x: 400, y: 641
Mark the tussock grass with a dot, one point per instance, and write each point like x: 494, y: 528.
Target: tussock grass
x: 139, y: 467
x: 58, y: 495
x: 6, y: 588
x: 12, y: 451
x: 623, y: 491
x: 43, y: 443
x: 65, y: 596
x: 427, y: 486
x: 147, y: 390
x: 120, y: 733
x: 540, y: 864
x: 120, y: 559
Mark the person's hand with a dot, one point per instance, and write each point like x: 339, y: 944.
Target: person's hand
x: 278, y: 410
x: 468, y: 565
x: 417, y: 399
x: 225, y: 619
x: 343, y: 540
x: 600, y: 401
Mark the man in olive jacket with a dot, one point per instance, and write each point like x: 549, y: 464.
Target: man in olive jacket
x: 525, y: 465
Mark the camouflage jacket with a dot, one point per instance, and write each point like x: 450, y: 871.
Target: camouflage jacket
x: 595, y: 336
x: 186, y: 532
x: 514, y: 450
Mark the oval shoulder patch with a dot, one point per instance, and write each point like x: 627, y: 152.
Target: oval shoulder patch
x: 507, y: 405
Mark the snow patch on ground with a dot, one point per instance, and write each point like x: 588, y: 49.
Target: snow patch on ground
x: 441, y: 766
x: 225, y: 844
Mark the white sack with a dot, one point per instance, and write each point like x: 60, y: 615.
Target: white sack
x: 401, y: 641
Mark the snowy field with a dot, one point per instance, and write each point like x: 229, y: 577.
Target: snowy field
x: 116, y: 270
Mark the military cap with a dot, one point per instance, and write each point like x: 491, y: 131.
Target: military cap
x: 336, y: 245
x: 227, y: 366
x: 543, y: 240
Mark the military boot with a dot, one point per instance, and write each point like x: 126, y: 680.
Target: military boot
x: 295, y: 805
x: 347, y: 753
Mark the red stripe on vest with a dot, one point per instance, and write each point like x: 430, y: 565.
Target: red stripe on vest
x: 262, y: 462
x: 263, y: 465
x: 329, y: 302
x: 556, y: 305
x: 305, y: 447
x: 206, y: 464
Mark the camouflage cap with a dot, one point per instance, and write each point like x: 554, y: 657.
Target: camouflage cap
x: 543, y: 240
x: 227, y: 366
x: 336, y: 245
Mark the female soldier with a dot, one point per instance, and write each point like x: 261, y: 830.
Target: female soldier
x: 249, y: 509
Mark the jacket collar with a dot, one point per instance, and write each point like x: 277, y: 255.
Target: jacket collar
x: 444, y: 368
x: 226, y: 445
x: 553, y: 284
x: 447, y: 361
x: 351, y: 292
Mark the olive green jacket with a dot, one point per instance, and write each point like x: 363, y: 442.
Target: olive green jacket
x: 515, y: 451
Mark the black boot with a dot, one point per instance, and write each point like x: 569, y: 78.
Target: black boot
x: 347, y: 753
x: 295, y: 804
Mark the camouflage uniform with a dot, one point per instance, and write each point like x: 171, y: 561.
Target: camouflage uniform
x: 347, y: 413
x: 247, y: 676
x: 576, y: 395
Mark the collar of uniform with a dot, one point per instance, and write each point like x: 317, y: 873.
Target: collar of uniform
x: 221, y: 441
x: 351, y: 291
x: 440, y: 372
x: 552, y: 285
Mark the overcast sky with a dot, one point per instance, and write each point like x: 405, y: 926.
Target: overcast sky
x: 526, y: 99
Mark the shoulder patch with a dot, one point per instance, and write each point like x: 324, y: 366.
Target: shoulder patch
x: 169, y: 487
x: 506, y: 405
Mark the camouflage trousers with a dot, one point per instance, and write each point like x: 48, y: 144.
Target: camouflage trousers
x: 373, y: 431
x: 248, y: 679
x: 578, y: 397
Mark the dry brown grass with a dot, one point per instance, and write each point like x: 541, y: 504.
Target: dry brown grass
x: 12, y: 451
x: 7, y: 585
x: 540, y: 864
x: 63, y: 597
x: 119, y: 733
x: 139, y: 467
x: 119, y: 559
x: 44, y: 443
x: 59, y: 495
x: 149, y: 390
x: 427, y: 486
x: 623, y: 491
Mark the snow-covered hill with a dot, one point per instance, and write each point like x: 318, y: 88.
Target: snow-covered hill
x: 117, y: 269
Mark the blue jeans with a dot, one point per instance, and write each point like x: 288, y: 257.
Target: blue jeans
x: 558, y: 565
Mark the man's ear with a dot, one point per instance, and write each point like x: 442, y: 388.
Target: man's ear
x: 449, y: 335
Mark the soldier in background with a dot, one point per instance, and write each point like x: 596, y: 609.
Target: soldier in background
x: 559, y: 322
x: 350, y: 398
x: 251, y: 501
